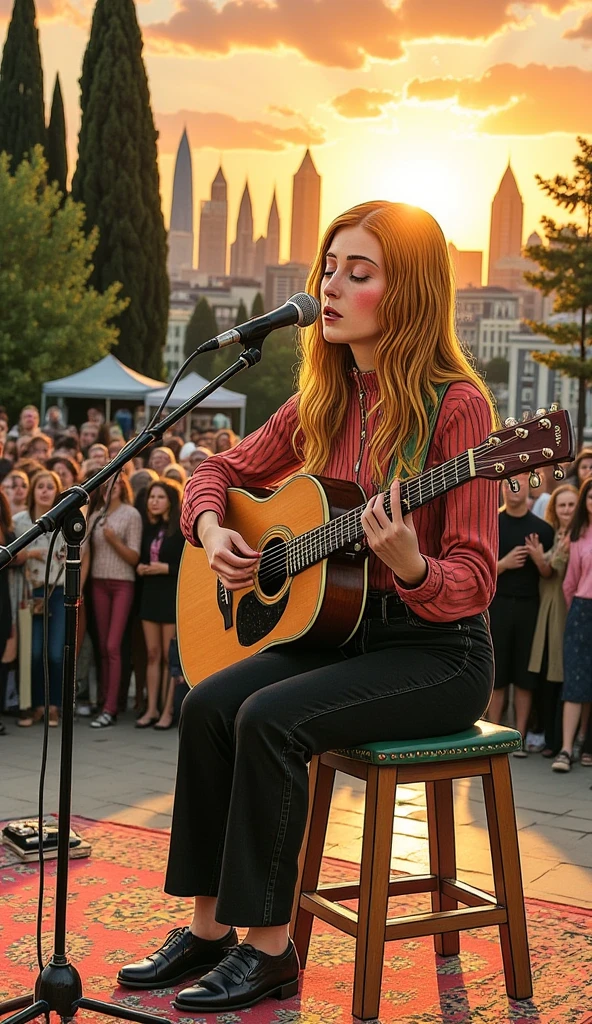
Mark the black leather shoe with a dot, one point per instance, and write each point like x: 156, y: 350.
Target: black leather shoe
x: 244, y: 977
x: 182, y: 954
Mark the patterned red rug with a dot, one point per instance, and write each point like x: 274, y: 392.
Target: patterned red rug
x: 117, y: 912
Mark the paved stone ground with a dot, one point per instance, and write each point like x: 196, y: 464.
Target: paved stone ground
x: 127, y: 775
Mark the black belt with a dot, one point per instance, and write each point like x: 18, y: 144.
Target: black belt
x: 384, y: 605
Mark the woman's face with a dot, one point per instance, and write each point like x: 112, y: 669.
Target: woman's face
x: 66, y: 478
x: 589, y: 504
x: 45, y: 492
x: 16, y: 489
x: 584, y: 469
x: 158, y: 503
x: 353, y: 285
x: 159, y: 460
x: 223, y: 442
x: 564, y: 507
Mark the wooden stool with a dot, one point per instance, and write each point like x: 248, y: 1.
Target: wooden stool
x: 480, y: 751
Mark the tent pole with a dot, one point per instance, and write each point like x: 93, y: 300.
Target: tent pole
x: 242, y: 421
x: 43, y: 404
x: 107, y: 410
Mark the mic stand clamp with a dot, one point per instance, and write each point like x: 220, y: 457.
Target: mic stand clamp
x: 59, y: 987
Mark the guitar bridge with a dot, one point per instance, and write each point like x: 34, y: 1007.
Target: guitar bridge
x: 224, y: 603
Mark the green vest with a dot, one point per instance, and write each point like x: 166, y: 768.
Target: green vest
x: 409, y: 448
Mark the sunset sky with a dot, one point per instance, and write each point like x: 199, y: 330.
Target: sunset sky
x: 421, y: 101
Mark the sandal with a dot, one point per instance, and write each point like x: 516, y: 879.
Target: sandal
x: 562, y: 762
x: 586, y: 760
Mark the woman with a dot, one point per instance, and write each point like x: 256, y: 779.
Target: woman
x: 45, y: 491
x: 6, y: 620
x: 577, y: 647
x: 175, y: 472
x: 225, y: 440
x: 66, y: 469
x: 546, y: 658
x: 115, y: 532
x: 16, y: 488
x: 420, y: 663
x: 162, y: 545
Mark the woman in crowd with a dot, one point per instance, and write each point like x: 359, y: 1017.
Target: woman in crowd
x: 175, y: 472
x: 115, y: 530
x: 45, y: 491
x: 16, y: 489
x: 66, y: 469
x: 162, y: 545
x: 546, y: 658
x: 6, y: 620
x: 577, y: 648
x: 225, y: 440
x: 160, y: 458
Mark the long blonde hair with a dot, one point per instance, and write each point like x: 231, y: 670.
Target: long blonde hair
x: 418, y: 349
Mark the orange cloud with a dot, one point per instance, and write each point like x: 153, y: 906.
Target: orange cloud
x: 222, y: 131
x: 50, y: 10
x: 532, y: 100
x: 581, y: 31
x: 361, y: 103
x: 336, y: 33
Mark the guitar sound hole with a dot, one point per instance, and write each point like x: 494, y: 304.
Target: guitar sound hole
x: 272, y: 568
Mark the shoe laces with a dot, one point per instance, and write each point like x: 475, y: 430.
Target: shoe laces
x: 237, y: 962
x: 172, y: 939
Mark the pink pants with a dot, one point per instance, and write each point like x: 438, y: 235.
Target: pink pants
x: 112, y: 602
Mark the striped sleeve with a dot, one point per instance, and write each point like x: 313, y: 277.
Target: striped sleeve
x: 461, y: 580
x: 264, y: 458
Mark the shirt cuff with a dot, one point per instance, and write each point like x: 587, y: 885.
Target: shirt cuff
x: 424, y: 592
x: 189, y: 520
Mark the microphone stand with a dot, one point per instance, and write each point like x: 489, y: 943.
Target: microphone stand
x: 59, y: 987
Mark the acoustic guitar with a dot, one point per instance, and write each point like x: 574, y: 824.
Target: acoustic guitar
x: 312, y: 576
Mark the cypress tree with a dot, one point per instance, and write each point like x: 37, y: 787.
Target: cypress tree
x: 22, y: 114
x: 201, y: 327
x: 57, y: 155
x: 241, y: 314
x: 117, y: 179
x: 257, y: 309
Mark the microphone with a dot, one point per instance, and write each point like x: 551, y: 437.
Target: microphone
x: 301, y: 309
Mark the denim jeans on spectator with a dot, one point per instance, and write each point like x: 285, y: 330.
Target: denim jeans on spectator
x: 56, y: 641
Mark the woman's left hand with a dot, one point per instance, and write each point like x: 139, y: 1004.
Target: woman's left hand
x: 109, y: 534
x: 156, y: 569
x: 394, y: 541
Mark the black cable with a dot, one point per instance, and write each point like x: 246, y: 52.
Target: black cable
x: 172, y: 386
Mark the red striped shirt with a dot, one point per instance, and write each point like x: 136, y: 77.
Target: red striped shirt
x: 457, y: 532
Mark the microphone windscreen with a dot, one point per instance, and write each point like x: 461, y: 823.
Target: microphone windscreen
x: 309, y: 308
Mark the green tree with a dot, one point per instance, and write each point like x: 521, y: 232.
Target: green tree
x: 565, y: 263
x: 271, y: 381
x: 57, y: 155
x: 22, y: 114
x: 241, y: 314
x: 201, y: 327
x: 257, y: 309
x: 52, y: 322
x: 497, y: 370
x: 117, y: 180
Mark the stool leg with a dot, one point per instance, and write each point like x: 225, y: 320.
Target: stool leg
x: 440, y: 806
x: 507, y: 877
x: 320, y: 789
x: 374, y: 883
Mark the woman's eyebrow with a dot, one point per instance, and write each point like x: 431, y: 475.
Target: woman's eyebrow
x: 355, y: 257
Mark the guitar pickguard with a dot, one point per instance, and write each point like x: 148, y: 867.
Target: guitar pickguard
x: 255, y: 620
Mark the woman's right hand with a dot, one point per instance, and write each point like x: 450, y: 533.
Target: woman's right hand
x: 230, y: 557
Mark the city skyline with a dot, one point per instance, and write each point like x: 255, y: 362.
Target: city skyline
x: 418, y: 102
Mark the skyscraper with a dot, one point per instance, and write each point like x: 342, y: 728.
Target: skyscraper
x: 467, y: 266
x: 181, y: 225
x: 505, y: 238
x: 306, y: 209
x: 242, y: 250
x: 267, y: 249
x: 213, y: 229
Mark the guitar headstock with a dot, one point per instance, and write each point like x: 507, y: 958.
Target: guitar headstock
x: 546, y: 439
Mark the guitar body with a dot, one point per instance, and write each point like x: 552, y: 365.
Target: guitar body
x: 217, y: 628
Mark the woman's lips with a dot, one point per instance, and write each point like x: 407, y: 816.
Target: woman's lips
x: 331, y: 314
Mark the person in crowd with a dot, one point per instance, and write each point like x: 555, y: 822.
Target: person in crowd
x: 7, y: 625
x: 546, y: 656
x: 53, y: 423
x: 160, y: 458
x: 125, y: 421
x: 89, y: 434
x: 196, y: 457
x: 115, y: 446
x: 28, y: 423
x: 67, y: 445
x: 6, y: 458
x: 45, y: 491
x: 206, y: 439
x: 225, y: 440
x: 141, y: 479
x: 577, y: 646
x: 542, y: 495
x: 115, y: 531
x: 184, y: 454
x: 175, y: 472
x: 581, y: 469
x: 94, y: 415
x: 28, y: 466
x: 67, y: 470
x: 22, y: 446
x: 40, y: 448
x: 97, y: 457
x: 514, y: 609
x: 174, y: 444
x: 16, y: 488
x: 162, y: 546
x: 220, y: 421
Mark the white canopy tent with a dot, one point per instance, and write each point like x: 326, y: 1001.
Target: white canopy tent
x: 222, y: 399
x: 108, y: 379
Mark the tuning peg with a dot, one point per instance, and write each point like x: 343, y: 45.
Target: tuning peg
x: 510, y: 422
x: 541, y: 412
x: 558, y: 473
x: 554, y: 407
x: 514, y: 485
x: 526, y: 415
x: 534, y: 480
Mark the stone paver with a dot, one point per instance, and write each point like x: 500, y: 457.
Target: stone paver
x: 127, y: 775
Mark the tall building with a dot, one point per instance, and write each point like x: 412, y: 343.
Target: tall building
x: 242, y: 250
x: 213, y: 229
x: 467, y: 265
x: 283, y: 281
x: 180, y: 255
x: 306, y: 210
x: 505, y: 237
x: 267, y: 248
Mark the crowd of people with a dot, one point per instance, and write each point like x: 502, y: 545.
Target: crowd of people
x: 130, y: 563
x: 541, y: 615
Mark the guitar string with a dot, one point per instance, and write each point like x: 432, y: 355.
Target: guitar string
x: 329, y: 532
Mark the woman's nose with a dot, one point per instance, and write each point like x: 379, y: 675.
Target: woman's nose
x: 331, y: 286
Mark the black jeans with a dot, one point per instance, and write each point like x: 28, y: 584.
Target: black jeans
x: 247, y: 734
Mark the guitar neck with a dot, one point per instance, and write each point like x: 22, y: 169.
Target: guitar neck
x: 311, y: 547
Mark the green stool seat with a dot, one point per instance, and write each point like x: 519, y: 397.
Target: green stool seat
x: 484, y: 738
